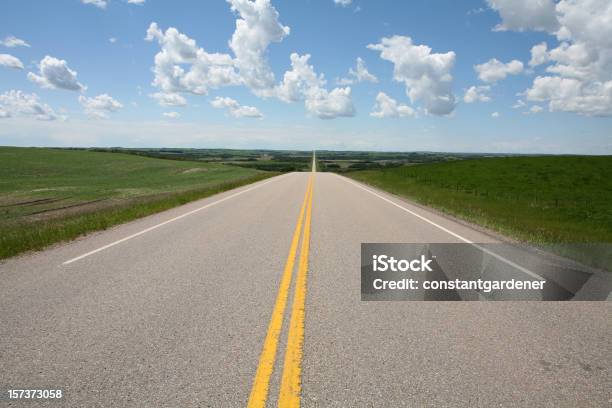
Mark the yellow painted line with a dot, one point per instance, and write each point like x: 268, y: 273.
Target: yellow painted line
x: 261, y: 382
x: 291, y: 382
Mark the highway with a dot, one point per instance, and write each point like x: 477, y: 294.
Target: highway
x: 252, y: 297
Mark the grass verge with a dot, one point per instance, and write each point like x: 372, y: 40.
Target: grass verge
x: 21, y: 236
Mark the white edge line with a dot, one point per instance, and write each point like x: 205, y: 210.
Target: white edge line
x: 493, y: 254
x: 144, y: 231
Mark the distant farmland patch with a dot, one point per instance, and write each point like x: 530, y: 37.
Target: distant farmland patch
x: 297, y: 160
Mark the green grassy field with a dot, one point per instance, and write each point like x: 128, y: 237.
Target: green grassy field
x: 549, y: 201
x: 51, y: 195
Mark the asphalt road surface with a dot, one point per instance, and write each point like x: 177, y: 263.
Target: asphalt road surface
x: 253, y: 297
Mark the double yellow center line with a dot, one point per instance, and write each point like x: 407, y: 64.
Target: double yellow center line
x: 290, y: 388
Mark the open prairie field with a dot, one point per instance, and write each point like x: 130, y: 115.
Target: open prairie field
x: 545, y: 200
x: 49, y: 195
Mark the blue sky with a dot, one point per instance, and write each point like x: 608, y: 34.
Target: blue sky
x: 84, y: 74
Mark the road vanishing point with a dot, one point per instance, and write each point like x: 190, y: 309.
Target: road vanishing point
x: 252, y: 298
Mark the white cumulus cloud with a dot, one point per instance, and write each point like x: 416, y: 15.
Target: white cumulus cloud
x: 387, y: 107
x: 330, y: 105
x: 579, y: 69
x: 299, y: 79
x: 477, y: 94
x: 169, y: 99
x: 18, y: 103
x: 359, y: 74
x: 55, y: 74
x: 7, y: 60
x: 426, y: 75
x: 343, y: 3
x: 138, y: 2
x: 536, y: 109
x: 12, y: 42
x: 495, y: 70
x: 572, y: 95
x: 171, y: 115
x: 205, y: 71
x: 301, y: 82
x: 495, y: 115
x: 101, y: 4
x: 100, y: 106
x: 235, y: 109
x: 256, y: 28
x: 181, y: 66
x: 539, y: 55
x: 524, y: 15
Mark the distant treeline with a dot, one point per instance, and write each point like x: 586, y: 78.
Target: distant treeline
x: 296, y: 160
